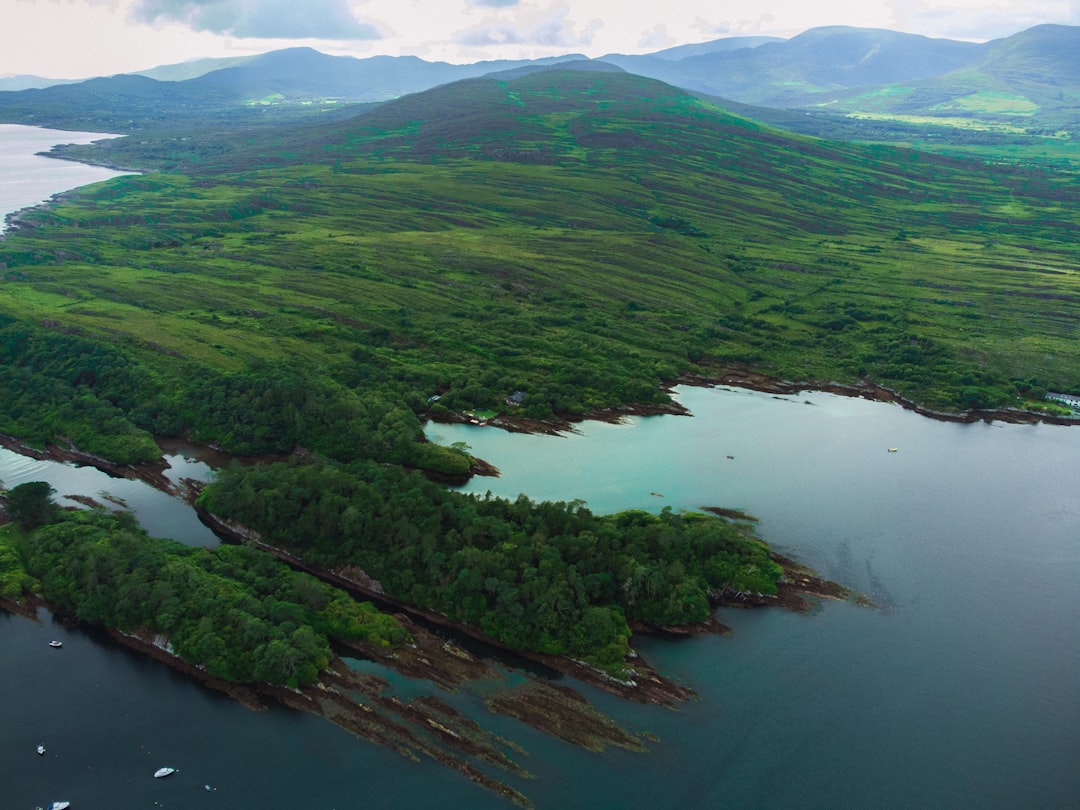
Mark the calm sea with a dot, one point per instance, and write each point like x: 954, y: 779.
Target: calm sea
x: 962, y: 689
x: 27, y: 178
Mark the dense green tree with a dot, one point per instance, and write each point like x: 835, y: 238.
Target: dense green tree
x: 238, y: 612
x: 550, y: 577
x: 30, y: 505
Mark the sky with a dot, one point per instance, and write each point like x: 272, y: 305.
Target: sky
x: 74, y: 39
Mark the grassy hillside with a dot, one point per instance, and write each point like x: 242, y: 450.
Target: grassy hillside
x: 580, y: 237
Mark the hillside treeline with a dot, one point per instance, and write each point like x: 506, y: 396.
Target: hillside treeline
x: 60, y: 388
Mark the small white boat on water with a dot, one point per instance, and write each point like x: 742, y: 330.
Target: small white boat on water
x: 41, y: 750
x: 58, y: 806
x: 55, y: 643
x: 161, y: 773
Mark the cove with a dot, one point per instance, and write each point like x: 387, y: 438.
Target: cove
x: 159, y: 513
x: 961, y: 689
x: 27, y: 178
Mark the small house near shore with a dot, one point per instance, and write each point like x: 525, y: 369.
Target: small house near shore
x: 1072, y: 400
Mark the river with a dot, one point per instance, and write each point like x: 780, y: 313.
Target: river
x: 961, y: 689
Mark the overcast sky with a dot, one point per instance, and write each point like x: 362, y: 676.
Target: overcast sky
x: 81, y: 38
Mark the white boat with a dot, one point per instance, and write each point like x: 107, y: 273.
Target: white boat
x: 41, y: 749
x: 55, y: 643
x: 163, y: 772
x: 58, y: 806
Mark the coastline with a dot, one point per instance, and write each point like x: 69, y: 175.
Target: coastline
x: 553, y: 709
x: 647, y: 687
x: 424, y: 726
x: 866, y: 389
x: 750, y: 380
x: 799, y: 589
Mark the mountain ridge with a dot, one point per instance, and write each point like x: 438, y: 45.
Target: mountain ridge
x: 831, y: 66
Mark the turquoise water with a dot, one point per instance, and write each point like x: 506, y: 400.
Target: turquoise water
x: 962, y: 689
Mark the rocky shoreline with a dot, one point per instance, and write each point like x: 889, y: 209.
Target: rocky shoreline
x: 737, y: 377
x: 866, y: 389
x: 647, y: 685
x: 425, y: 726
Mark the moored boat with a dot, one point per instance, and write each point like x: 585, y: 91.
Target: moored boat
x: 163, y: 772
x: 58, y: 806
x: 41, y: 750
x: 55, y: 643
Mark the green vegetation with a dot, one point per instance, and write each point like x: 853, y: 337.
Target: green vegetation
x: 580, y: 237
x: 30, y: 505
x: 234, y: 611
x: 583, y: 238
x: 549, y: 577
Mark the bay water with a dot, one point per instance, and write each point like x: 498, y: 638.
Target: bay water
x: 28, y: 178
x: 961, y: 688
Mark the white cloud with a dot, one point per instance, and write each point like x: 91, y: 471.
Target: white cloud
x: 980, y: 19
x: 262, y: 19
x: 73, y: 38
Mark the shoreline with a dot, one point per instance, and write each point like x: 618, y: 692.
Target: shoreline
x: 430, y: 728
x: 867, y: 389
x: 751, y: 381
x: 424, y: 726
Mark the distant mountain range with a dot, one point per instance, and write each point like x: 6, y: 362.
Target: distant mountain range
x: 1032, y: 77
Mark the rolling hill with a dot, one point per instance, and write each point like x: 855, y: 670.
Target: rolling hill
x: 583, y: 236
x: 550, y: 246
x: 809, y: 66
x: 856, y: 84
x: 1031, y: 79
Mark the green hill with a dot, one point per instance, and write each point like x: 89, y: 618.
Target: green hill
x: 1030, y: 80
x: 583, y: 237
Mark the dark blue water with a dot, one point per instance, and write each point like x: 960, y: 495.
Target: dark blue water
x: 962, y: 689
